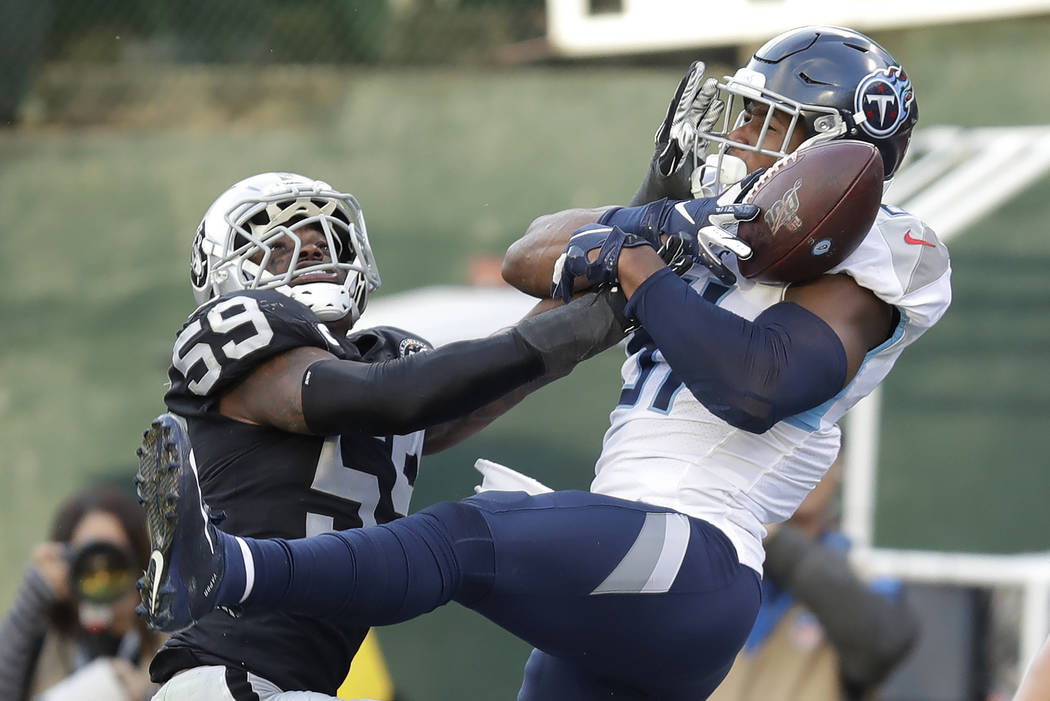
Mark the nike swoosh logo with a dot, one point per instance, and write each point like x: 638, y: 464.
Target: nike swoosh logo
x: 908, y: 238
x: 204, y: 515
x: 157, y: 559
x: 680, y: 208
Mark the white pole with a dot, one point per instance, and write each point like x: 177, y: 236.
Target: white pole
x: 1008, y: 162
x: 860, y: 470
x: 1004, y: 161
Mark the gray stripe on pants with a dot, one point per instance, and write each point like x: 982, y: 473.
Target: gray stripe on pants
x: 636, y: 568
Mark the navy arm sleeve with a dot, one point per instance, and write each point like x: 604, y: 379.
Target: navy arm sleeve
x: 751, y: 374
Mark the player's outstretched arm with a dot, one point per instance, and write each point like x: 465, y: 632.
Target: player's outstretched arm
x: 450, y: 433
x: 695, y: 223
x: 530, y: 260
x: 271, y: 395
x: 306, y: 390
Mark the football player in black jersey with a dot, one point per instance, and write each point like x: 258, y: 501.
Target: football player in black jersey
x: 298, y: 428
x: 647, y: 586
x: 291, y: 429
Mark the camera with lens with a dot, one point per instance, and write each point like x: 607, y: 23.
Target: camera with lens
x: 100, y: 572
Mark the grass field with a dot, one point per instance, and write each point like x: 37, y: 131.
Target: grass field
x: 448, y: 164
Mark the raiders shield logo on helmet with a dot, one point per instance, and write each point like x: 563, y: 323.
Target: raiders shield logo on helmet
x: 198, y: 259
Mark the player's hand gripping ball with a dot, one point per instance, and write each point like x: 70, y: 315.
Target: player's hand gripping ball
x: 698, y: 228
x: 575, y: 261
x: 816, y: 206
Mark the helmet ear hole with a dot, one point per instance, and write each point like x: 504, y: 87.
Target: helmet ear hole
x: 345, y: 250
x: 361, y: 297
x: 347, y: 254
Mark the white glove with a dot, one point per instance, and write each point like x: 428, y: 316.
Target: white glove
x: 499, y: 478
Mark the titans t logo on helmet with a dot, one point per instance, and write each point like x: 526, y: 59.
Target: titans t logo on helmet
x: 884, y: 96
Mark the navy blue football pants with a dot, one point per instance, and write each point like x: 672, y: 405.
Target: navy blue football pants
x: 622, y: 600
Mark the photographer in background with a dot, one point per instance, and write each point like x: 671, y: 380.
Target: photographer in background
x: 72, y: 631
x: 822, y: 633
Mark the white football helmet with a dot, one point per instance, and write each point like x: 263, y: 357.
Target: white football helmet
x: 232, y: 248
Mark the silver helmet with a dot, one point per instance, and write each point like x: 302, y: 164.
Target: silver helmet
x: 235, y: 240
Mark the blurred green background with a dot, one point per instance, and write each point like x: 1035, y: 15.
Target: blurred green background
x: 114, y: 147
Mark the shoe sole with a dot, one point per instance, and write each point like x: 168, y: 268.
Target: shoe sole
x: 157, y: 485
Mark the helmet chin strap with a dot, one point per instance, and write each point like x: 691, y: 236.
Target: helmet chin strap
x: 328, y: 300
x: 718, y: 172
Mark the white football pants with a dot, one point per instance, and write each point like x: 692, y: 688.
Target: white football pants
x: 215, y: 684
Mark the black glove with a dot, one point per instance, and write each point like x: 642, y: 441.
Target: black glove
x: 694, y: 108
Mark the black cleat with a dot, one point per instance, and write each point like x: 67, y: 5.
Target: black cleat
x: 187, y: 561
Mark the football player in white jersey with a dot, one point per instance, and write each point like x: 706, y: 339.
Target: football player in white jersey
x: 646, y: 586
x: 806, y: 86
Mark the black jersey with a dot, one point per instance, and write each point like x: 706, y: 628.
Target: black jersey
x: 272, y: 483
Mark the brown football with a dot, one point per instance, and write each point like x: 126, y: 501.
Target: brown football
x: 816, y: 206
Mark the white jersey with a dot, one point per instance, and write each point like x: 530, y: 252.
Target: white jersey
x: 664, y: 447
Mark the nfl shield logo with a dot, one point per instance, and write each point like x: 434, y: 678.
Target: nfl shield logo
x: 885, y: 97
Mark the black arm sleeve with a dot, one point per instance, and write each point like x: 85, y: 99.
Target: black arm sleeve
x: 423, y: 389
x: 408, y: 394
x: 870, y: 632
